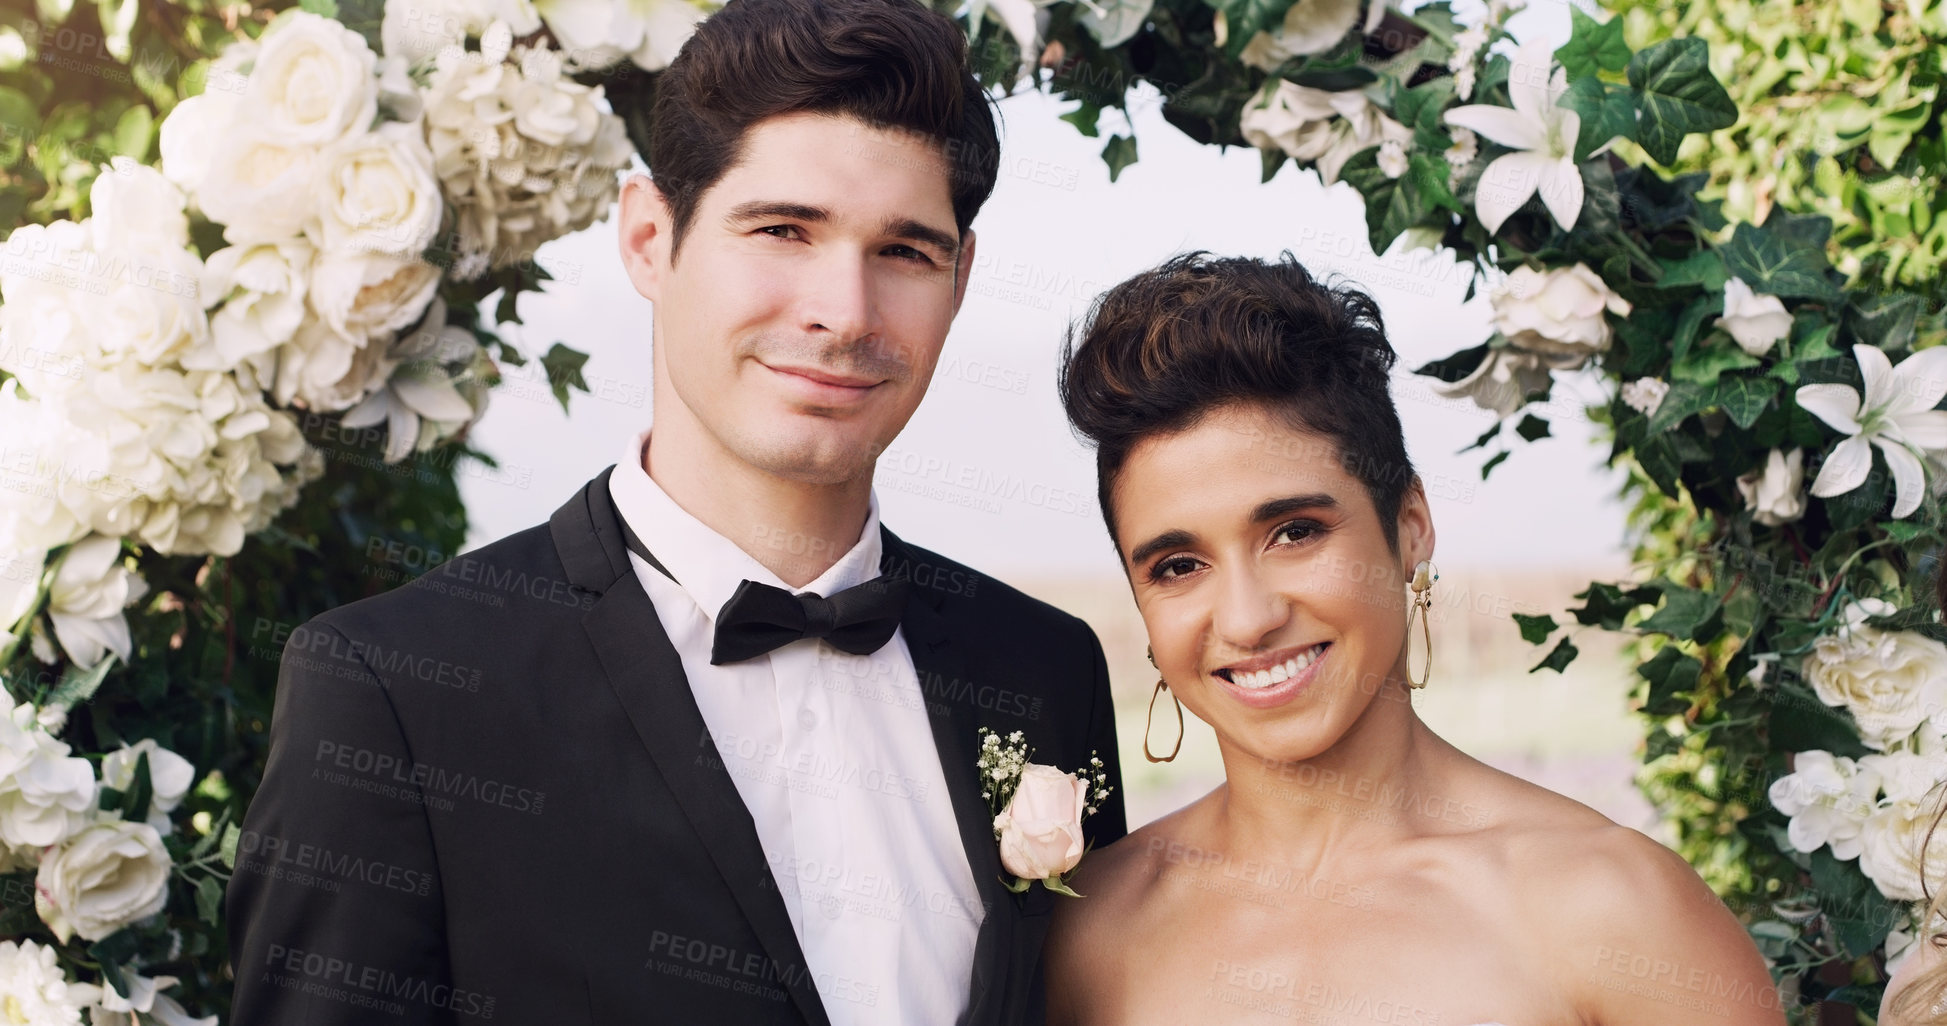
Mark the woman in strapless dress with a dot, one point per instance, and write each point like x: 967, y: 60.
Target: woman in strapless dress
x: 1354, y: 867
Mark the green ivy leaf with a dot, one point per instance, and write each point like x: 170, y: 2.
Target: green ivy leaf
x: 1608, y: 113
x: 1704, y: 366
x: 1492, y: 462
x: 1671, y: 675
x: 1084, y: 117
x: 1683, y: 399
x: 135, y: 803
x: 1535, y: 629
x: 563, y: 366
x: 209, y: 901
x: 1799, y: 722
x: 1703, y: 267
x: 1558, y: 658
x: 1531, y: 427
x: 322, y: 8
x: 1592, y: 46
x: 1688, y: 322
x: 1744, y: 399
x: 1677, y: 96
x: 1455, y: 367
x: 1685, y: 613
x: 1605, y: 605
x: 1780, y: 262
x: 1118, y: 154
x: 134, y: 132
x: 227, y: 850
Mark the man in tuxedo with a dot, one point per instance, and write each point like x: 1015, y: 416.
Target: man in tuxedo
x: 700, y: 749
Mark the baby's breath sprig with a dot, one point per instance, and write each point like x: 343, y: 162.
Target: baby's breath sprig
x: 1001, y: 763
x: 1097, y: 777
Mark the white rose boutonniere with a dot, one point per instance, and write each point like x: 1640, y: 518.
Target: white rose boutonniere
x: 1038, y: 810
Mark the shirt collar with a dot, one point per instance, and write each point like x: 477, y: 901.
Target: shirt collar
x: 707, y: 565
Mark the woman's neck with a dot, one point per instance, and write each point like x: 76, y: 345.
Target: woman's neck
x: 1380, y: 781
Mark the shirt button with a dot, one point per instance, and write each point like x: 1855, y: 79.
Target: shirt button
x: 807, y: 719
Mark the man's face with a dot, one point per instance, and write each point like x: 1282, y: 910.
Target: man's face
x: 800, y: 320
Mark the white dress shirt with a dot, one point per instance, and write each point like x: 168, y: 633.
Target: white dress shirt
x: 834, y: 757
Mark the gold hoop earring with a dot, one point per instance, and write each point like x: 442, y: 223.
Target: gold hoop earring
x: 1150, y: 720
x: 1423, y: 577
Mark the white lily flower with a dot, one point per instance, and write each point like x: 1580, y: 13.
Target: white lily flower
x: 420, y: 404
x: 1542, y: 136
x: 1897, y: 415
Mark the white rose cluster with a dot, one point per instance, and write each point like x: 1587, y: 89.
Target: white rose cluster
x: 96, y: 872
x: 525, y: 153
x: 1891, y: 681
x: 319, y: 173
x: 125, y: 418
x: 1878, y: 808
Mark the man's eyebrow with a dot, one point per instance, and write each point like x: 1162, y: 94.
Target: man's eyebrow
x: 1171, y: 539
x: 918, y: 231
x: 1274, y: 508
x: 758, y: 210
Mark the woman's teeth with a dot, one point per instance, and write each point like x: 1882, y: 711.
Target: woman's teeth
x: 1284, y: 671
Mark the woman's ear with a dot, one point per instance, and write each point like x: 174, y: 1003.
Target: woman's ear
x: 1414, y: 527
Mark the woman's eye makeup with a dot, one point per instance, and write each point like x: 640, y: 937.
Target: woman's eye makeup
x: 1170, y: 568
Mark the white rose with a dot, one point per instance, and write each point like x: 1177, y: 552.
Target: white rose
x: 261, y: 189
x: 379, y: 194
x: 102, y: 879
x: 1318, y: 126
x: 1041, y: 828
x: 1755, y: 321
x: 152, y: 310
x: 1891, y: 681
x: 135, y: 205
x: 314, y: 82
x: 1502, y: 383
x: 262, y: 288
x: 170, y: 776
x: 1893, y: 839
x: 1556, y: 314
x: 361, y: 295
x: 47, y: 796
x: 1828, y: 799
x: 1776, y: 493
x: 91, y: 588
x: 323, y: 370
x: 35, y: 990
x: 597, y: 33
x: 1310, y: 26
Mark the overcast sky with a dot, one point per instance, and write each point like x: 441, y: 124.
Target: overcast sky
x: 1015, y: 496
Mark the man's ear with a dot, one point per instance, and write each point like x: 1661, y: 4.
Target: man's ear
x: 962, y: 270
x: 644, y: 234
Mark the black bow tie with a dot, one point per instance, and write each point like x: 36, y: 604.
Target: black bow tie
x: 759, y: 617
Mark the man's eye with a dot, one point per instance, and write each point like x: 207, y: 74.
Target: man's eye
x: 781, y: 231
x: 908, y: 253
x: 1297, y: 530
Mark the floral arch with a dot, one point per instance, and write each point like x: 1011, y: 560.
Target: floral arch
x: 234, y: 398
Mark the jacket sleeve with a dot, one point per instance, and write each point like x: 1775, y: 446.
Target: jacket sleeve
x: 1110, y: 821
x: 334, y: 910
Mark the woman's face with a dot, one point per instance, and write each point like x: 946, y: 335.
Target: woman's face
x: 1275, y: 609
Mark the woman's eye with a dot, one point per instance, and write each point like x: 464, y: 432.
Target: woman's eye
x: 1172, y: 568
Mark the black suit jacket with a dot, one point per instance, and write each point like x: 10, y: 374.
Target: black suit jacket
x: 491, y: 797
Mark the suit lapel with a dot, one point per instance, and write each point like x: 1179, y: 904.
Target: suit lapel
x: 939, y: 666
x: 647, y: 676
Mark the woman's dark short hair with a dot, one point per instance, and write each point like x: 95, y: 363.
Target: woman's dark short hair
x: 890, y: 63
x: 1163, y: 349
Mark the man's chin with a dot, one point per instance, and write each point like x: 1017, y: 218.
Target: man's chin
x: 813, y: 461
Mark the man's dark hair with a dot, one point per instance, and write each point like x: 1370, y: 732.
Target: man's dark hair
x: 890, y: 63
x: 1163, y: 349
